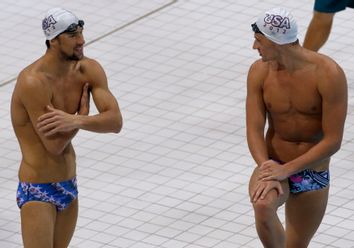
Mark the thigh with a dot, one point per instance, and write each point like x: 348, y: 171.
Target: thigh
x: 65, y: 225
x: 304, y: 214
x: 37, y: 224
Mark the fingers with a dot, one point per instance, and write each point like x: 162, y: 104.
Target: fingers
x: 46, y: 125
x: 263, y: 188
x: 46, y: 116
x: 268, y: 178
x: 257, y: 192
x: 84, y: 107
x: 280, y: 189
x: 45, y: 119
x: 50, y: 108
x: 48, y: 122
x: 86, y: 87
x: 50, y: 132
x: 265, y: 164
x: 264, y: 193
x: 253, y: 194
x: 55, y: 121
x: 266, y: 189
x: 85, y: 97
x: 266, y: 175
x: 85, y: 90
x: 269, y: 170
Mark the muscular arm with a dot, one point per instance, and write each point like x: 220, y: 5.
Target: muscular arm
x: 333, y: 90
x: 109, y: 118
x: 256, y: 113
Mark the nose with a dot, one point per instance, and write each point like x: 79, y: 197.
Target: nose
x: 80, y: 39
x: 255, y: 45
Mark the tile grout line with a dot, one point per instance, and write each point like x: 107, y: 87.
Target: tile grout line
x: 111, y: 32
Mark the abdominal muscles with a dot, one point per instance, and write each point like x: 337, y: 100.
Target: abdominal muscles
x: 288, y: 138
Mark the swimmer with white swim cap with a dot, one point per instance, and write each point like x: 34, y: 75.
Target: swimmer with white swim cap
x: 50, y: 104
x: 302, y: 96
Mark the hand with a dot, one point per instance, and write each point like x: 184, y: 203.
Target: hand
x: 84, y: 107
x: 55, y: 121
x: 263, y: 187
x: 272, y: 170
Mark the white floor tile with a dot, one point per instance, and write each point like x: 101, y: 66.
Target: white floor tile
x: 177, y: 174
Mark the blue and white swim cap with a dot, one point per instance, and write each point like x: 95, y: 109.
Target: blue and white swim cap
x: 57, y: 21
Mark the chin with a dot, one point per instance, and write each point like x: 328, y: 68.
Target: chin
x: 75, y: 57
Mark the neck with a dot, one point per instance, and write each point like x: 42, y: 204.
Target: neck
x: 291, y: 58
x: 56, y: 63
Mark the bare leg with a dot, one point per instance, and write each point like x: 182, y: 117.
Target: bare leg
x: 318, y: 30
x: 37, y: 223
x: 269, y: 228
x: 304, y: 213
x: 65, y: 225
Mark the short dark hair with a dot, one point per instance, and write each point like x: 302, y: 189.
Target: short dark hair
x: 47, y: 43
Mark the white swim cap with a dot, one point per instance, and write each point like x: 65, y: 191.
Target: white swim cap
x: 278, y: 25
x: 57, y: 21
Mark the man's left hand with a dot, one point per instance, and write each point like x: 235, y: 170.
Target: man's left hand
x: 271, y: 170
x: 55, y: 121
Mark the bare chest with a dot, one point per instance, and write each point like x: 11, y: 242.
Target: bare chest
x: 286, y: 95
x: 67, y: 93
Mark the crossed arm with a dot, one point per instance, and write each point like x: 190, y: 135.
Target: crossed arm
x: 55, y: 127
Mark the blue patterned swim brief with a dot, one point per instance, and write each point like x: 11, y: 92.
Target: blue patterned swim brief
x: 308, y: 180
x: 59, y: 194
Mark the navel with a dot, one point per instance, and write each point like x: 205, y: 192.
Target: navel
x: 314, y: 109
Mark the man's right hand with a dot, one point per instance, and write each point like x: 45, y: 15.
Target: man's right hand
x: 263, y: 187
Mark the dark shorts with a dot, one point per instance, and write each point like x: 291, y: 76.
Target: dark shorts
x: 332, y: 6
x: 59, y: 194
x: 308, y: 180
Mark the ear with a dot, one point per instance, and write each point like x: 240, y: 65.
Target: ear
x: 54, y: 42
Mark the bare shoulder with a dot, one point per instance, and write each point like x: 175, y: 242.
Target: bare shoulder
x: 327, y: 69
x: 32, y: 90
x: 29, y: 79
x: 259, y: 67
x: 94, y: 72
x: 258, y: 71
x: 331, y: 81
x: 88, y: 64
